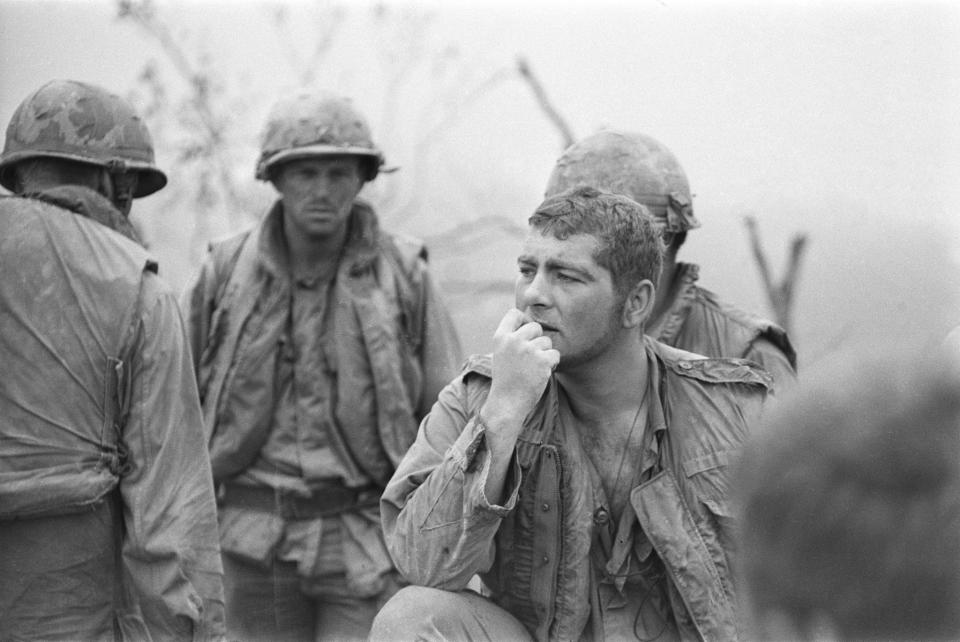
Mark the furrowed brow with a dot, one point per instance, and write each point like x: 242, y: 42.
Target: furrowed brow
x: 553, y: 265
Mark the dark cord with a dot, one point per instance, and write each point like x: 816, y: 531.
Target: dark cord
x: 636, y: 620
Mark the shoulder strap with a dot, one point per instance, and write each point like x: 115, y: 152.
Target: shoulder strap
x: 711, y: 370
x: 226, y: 254
x: 401, y: 254
x: 753, y: 325
x: 239, y: 264
x: 761, y: 327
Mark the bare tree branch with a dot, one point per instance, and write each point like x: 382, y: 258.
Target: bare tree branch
x: 526, y: 72
x: 462, y: 238
x: 759, y: 256
x: 143, y: 14
x: 780, y: 295
x: 328, y: 23
x: 452, y: 113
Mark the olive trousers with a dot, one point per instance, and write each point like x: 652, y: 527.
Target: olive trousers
x: 428, y: 615
x: 57, y: 576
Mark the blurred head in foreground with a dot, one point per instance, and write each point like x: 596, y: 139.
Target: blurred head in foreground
x: 850, y: 501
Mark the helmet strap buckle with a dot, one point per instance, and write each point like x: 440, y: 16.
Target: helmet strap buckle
x: 121, y: 185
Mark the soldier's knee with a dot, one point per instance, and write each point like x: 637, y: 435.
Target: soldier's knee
x: 417, y: 613
x: 401, y: 618
x: 420, y: 613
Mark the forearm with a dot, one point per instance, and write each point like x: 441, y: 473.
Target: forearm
x: 439, y: 525
x: 500, y: 437
x: 438, y: 517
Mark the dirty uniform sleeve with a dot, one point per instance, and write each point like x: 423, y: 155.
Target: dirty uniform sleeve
x: 196, y: 305
x: 764, y: 353
x: 441, y: 355
x: 438, y: 524
x: 171, y: 550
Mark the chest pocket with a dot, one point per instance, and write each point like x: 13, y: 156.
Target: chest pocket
x: 709, y: 477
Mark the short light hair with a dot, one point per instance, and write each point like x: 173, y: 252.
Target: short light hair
x: 850, y: 502
x: 630, y: 242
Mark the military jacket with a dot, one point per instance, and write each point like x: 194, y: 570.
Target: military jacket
x: 533, y: 552
x: 98, y: 404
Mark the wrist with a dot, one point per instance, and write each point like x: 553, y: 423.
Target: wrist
x: 499, y: 418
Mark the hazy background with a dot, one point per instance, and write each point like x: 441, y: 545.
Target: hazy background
x: 839, y: 120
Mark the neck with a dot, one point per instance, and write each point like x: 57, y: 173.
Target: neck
x: 310, y: 256
x: 607, y: 386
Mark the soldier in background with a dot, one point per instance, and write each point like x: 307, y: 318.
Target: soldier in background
x: 320, y: 342
x: 107, y: 513
x: 686, y: 315
x: 850, y: 503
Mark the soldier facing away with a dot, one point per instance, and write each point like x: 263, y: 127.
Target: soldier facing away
x: 107, y: 513
x: 319, y: 342
x: 582, y: 470
x: 849, y: 505
x: 686, y: 315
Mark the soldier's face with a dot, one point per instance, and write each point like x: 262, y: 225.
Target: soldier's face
x: 561, y: 287
x: 317, y: 194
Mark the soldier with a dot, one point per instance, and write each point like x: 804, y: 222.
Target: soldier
x: 686, y: 315
x: 850, y: 505
x: 320, y: 342
x: 582, y: 470
x: 107, y: 512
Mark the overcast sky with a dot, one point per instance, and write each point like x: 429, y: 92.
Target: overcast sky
x: 827, y: 117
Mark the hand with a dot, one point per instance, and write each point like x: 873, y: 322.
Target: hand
x: 523, y: 360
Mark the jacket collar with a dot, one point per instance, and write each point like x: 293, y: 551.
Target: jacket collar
x: 89, y: 204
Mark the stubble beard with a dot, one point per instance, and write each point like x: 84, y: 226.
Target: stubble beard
x: 598, y: 347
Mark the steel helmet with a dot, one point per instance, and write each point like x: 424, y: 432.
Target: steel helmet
x: 316, y: 124
x: 85, y: 123
x: 632, y: 164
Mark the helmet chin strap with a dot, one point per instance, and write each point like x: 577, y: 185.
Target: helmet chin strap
x: 118, y: 185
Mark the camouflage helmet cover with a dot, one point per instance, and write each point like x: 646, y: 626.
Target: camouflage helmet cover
x: 309, y: 125
x: 85, y: 123
x: 632, y: 164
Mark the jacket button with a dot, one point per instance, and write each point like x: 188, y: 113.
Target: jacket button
x: 545, y: 507
x: 601, y: 517
x: 546, y: 559
x: 686, y: 365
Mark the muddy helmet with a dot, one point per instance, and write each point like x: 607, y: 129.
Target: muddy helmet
x: 84, y: 123
x: 632, y: 164
x: 309, y: 125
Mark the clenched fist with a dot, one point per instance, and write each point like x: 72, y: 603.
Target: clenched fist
x: 523, y: 359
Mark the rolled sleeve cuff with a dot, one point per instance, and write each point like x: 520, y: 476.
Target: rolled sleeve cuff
x: 470, y: 454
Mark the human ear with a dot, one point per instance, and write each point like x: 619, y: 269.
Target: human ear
x: 638, y: 304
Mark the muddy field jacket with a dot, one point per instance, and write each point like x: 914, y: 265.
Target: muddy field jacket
x: 98, y: 404
x: 534, y: 551
x: 698, y: 321
x: 237, y: 309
